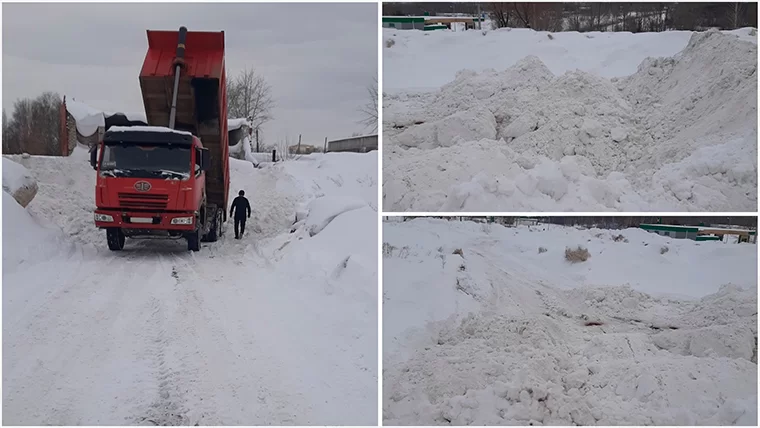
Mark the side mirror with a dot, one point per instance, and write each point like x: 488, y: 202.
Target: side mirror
x: 205, y: 159
x: 94, y: 158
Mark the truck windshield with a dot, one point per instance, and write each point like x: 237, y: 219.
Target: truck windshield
x: 146, y: 161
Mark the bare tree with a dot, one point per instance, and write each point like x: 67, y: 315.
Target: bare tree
x: 369, y: 110
x: 735, y: 15
x: 500, y: 14
x: 33, y: 126
x: 250, y: 96
x: 523, y: 12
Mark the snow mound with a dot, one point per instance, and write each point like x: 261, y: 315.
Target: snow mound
x: 481, y: 328
x: 18, y: 182
x: 678, y: 135
x: 25, y: 241
x: 321, y: 211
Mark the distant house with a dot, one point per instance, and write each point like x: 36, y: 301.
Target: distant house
x: 428, y: 23
x: 359, y: 144
x: 701, y: 233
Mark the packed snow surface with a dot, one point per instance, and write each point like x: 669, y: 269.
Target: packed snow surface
x: 489, y: 325
x: 279, y: 328
x: 553, y: 132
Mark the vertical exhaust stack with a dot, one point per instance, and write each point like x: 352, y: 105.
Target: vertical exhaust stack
x: 178, y: 61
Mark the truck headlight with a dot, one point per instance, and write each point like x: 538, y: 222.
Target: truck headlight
x: 182, y: 220
x: 103, y: 217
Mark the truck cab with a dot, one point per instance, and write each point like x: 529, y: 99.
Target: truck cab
x: 150, y: 183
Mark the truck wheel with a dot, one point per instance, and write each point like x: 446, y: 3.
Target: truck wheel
x: 215, y: 229
x: 115, y: 239
x: 193, y: 241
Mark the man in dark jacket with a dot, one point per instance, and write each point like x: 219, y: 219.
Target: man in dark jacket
x: 240, y: 207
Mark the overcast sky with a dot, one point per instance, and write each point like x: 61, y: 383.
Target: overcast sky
x: 318, y: 58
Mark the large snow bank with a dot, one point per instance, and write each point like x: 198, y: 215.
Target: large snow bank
x: 679, y: 134
x: 502, y: 333
x: 428, y: 60
x: 25, y: 241
x: 18, y: 182
x: 66, y: 196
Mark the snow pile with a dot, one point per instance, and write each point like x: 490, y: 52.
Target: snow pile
x: 501, y: 333
x: 321, y: 211
x: 679, y: 134
x: 25, y: 241
x: 66, y: 195
x: 18, y: 182
x: 87, y: 119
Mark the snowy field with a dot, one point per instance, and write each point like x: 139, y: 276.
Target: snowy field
x: 489, y: 325
x: 278, y: 328
x: 519, y: 120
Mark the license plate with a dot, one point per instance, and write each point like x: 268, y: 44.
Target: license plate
x: 141, y: 220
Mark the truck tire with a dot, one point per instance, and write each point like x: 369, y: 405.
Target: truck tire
x: 115, y: 239
x: 193, y: 241
x: 215, y: 228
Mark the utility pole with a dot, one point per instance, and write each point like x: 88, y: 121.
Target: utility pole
x: 257, y: 140
x: 325, y: 149
x: 480, y: 20
x: 298, y: 150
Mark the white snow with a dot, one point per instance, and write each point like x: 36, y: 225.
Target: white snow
x: 147, y: 129
x: 88, y: 119
x: 497, y: 335
x: 278, y: 328
x: 233, y: 124
x: 17, y: 179
x: 677, y: 134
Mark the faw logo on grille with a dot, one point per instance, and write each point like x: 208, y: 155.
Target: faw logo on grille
x: 142, y: 186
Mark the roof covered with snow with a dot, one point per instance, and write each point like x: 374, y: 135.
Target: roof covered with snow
x: 147, y: 129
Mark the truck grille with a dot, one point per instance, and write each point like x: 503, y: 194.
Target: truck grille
x: 143, y: 200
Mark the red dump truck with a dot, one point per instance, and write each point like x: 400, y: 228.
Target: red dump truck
x: 169, y: 179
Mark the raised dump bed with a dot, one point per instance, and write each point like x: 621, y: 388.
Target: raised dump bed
x: 201, y: 106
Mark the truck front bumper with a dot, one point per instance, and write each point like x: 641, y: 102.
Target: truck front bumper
x: 177, y: 221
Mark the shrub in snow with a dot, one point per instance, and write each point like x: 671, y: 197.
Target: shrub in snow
x: 753, y: 32
x: 388, y: 249
x: 619, y: 238
x: 458, y: 251
x: 389, y: 43
x: 577, y: 255
x: 550, y: 36
x: 542, y: 250
x: 664, y: 249
x: 18, y: 182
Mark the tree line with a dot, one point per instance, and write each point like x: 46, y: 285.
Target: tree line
x: 582, y: 16
x: 34, y: 126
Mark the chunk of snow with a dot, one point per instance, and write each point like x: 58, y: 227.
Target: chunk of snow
x: 18, y: 182
x: 321, y: 211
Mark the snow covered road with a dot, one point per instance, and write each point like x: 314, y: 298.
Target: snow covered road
x: 251, y: 332
x: 481, y: 327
